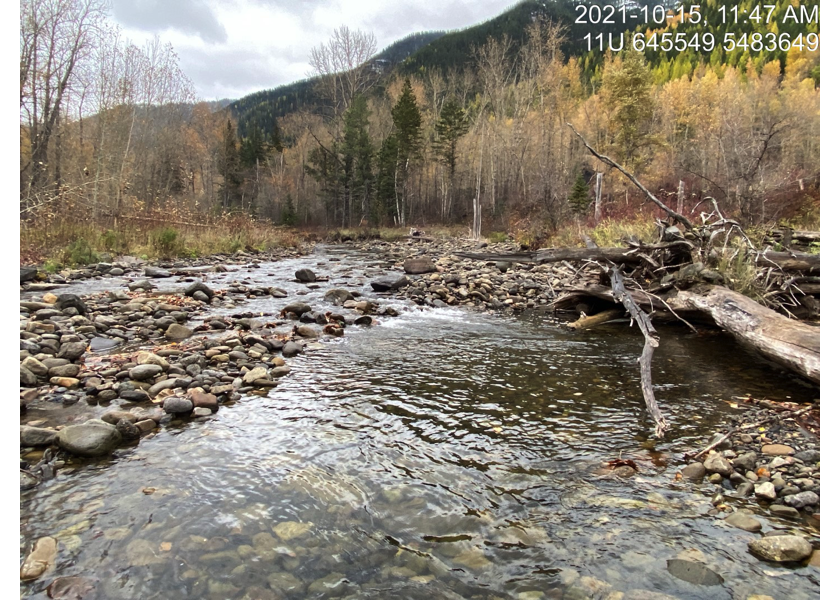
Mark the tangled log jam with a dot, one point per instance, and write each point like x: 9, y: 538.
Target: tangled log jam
x: 681, y: 277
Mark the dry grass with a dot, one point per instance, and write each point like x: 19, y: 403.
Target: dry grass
x: 608, y: 233
x: 64, y: 242
x: 392, y: 234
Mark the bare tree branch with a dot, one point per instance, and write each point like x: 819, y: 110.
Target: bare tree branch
x: 607, y: 160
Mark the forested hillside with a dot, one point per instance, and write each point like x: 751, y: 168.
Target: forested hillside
x: 262, y: 109
x: 718, y: 96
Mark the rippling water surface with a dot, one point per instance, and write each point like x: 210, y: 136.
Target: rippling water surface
x: 442, y: 454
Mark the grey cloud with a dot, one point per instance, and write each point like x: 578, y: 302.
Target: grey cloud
x: 403, y: 18
x: 234, y: 73
x: 188, y: 16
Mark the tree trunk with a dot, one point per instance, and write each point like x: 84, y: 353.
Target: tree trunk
x: 681, y: 197
x: 599, y: 182
x: 789, y: 343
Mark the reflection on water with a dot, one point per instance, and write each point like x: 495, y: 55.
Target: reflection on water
x: 442, y: 454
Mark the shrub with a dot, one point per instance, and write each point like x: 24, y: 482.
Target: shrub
x: 497, y: 237
x: 579, y: 198
x: 165, y: 241
x: 235, y: 245
x: 51, y: 266
x: 113, y: 241
x: 80, y: 253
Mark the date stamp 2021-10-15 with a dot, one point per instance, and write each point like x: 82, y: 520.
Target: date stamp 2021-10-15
x: 683, y: 28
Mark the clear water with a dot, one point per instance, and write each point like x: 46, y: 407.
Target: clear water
x: 441, y: 454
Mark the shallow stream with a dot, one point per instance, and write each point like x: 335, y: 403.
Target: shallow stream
x: 443, y: 453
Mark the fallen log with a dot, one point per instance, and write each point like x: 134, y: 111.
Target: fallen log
x: 573, y: 295
x: 786, y: 261
x: 550, y: 255
x: 784, y: 341
x: 790, y: 261
x: 651, y: 343
x: 805, y: 237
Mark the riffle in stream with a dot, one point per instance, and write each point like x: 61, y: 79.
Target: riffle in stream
x: 443, y: 453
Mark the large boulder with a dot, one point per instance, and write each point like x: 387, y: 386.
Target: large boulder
x: 156, y: 272
x: 716, y: 463
x: 72, y: 350
x: 201, y: 399
x: 100, y: 344
x: 694, y: 472
x: 92, y: 438
x: 150, y: 358
x: 389, y: 283
x: 199, y: 287
x: 71, y: 301
x: 144, y: 285
x: 35, y: 366
x: 298, y: 308
x: 177, y: 405
x: 254, y: 374
x: 305, y: 275
x: 291, y: 349
x: 802, y: 499
x: 307, y: 332
x: 419, y: 265
x: 28, y: 274
x: 176, y: 332
x: 143, y: 372
x: 70, y: 370
x: 781, y: 548
x: 27, y: 377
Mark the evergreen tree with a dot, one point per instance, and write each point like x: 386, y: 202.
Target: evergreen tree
x: 385, y: 208
x: 451, y: 126
x: 289, y: 215
x: 229, y: 168
x: 579, y: 198
x: 357, y: 153
x: 627, y: 90
x: 276, y: 139
x: 253, y: 148
x: 407, y: 124
x: 323, y: 167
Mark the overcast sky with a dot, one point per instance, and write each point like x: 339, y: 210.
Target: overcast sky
x: 230, y: 48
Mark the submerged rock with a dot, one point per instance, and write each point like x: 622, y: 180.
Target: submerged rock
x: 70, y: 588
x: 40, y: 559
x: 693, y: 572
x: 694, y: 472
x: 744, y: 520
